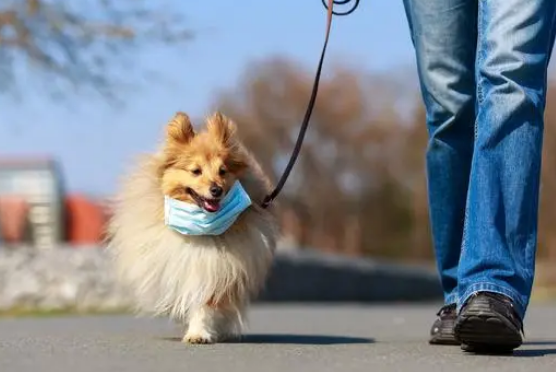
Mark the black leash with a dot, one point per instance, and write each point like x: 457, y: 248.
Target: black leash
x: 296, y: 150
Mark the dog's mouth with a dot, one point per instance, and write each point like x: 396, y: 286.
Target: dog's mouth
x: 210, y: 205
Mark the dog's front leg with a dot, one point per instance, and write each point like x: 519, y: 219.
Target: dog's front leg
x: 202, y: 327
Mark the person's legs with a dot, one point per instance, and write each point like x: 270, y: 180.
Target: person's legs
x: 444, y: 34
x: 515, y: 41
x: 498, y: 255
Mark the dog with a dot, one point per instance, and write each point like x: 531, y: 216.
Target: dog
x: 205, y: 282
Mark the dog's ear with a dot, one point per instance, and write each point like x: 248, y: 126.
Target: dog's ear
x: 225, y: 131
x: 179, y: 130
x: 222, y: 128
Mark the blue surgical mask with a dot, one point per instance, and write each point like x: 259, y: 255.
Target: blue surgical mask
x: 190, y: 219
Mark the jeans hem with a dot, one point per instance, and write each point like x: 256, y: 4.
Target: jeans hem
x: 495, y: 288
x: 451, y: 299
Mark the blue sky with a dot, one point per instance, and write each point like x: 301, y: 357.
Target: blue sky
x: 94, y: 143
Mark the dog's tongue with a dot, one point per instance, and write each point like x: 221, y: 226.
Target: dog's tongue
x: 211, y: 205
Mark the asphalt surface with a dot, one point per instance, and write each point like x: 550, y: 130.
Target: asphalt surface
x: 285, y: 338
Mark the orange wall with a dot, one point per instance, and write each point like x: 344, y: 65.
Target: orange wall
x: 85, y: 220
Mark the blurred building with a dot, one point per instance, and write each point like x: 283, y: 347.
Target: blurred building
x: 36, y: 211
x: 31, y: 208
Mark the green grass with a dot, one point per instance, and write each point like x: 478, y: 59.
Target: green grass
x: 54, y: 313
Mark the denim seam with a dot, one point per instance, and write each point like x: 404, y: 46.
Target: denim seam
x: 530, y: 254
x: 480, y: 100
x: 483, y: 286
x: 479, y: 59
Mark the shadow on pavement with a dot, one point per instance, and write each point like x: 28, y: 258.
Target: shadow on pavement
x: 302, y: 339
x: 292, y: 339
x: 531, y: 353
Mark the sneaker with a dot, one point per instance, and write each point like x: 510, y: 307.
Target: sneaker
x: 488, y: 323
x: 442, y: 331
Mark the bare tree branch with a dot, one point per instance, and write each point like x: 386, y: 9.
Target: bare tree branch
x: 79, y: 44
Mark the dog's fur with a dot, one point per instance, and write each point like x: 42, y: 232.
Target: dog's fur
x: 205, y: 282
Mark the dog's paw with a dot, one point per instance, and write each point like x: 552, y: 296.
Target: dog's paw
x: 199, y: 338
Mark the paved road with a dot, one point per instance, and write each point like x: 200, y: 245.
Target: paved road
x: 281, y: 338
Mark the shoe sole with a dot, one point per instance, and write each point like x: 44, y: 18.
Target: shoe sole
x: 449, y: 341
x: 480, y: 330
x: 445, y: 336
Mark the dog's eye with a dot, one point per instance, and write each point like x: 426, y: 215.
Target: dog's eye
x: 197, y: 172
x: 222, y: 172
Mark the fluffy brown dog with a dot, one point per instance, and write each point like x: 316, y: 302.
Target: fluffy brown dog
x: 205, y: 282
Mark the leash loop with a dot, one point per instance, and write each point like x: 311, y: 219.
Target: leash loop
x: 305, y: 123
x: 342, y: 2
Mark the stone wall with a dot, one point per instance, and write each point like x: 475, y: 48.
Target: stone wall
x: 62, y: 278
x: 82, y: 279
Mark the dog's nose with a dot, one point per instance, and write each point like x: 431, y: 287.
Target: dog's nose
x: 216, y: 191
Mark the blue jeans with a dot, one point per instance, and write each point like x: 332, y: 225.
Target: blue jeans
x: 482, y: 66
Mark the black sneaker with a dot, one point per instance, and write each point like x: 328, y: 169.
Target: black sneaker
x: 488, y: 323
x: 442, y: 331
